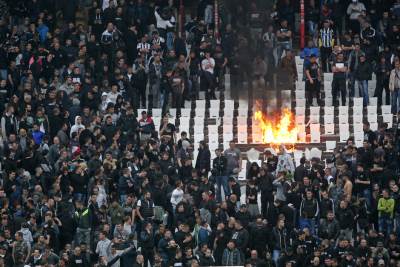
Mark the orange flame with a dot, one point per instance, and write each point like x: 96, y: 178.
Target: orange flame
x: 281, y: 130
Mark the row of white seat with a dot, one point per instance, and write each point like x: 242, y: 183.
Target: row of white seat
x: 358, y: 114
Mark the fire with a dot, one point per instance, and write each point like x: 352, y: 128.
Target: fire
x: 280, y: 130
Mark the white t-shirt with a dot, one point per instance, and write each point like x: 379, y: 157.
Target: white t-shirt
x: 208, y: 65
x: 177, y: 196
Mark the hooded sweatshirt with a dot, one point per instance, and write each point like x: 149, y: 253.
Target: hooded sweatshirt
x: 27, y: 235
x: 76, y: 126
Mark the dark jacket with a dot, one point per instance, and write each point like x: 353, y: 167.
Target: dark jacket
x: 83, y: 218
x: 363, y: 71
x: 279, y: 239
x: 328, y: 229
x: 232, y: 257
x: 241, y: 238
x: 345, y: 218
x: 203, y: 160
x: 219, y: 166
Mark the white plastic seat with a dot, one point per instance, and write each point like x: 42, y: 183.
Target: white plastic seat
x: 372, y: 117
x: 228, y: 113
x: 314, y: 114
x: 242, y: 138
x: 198, y: 137
x: 343, y: 110
x: 214, y: 104
x: 156, y: 112
x: 329, y: 110
x: 372, y: 109
x: 229, y: 103
x: 300, y: 95
x: 300, y: 85
x: 243, y: 112
x: 329, y: 128
x: 228, y: 122
x: 387, y: 118
x: 330, y: 146
x: 373, y: 101
x: 358, y: 127
x: 300, y: 119
x: 185, y: 112
x: 315, y: 153
x: 300, y: 102
x: 257, y: 138
x: 198, y: 121
x: 329, y: 118
x: 343, y: 118
x: 327, y: 87
x: 200, y: 104
x: 344, y: 132
x: 214, y: 113
x: 212, y: 129
x: 200, y: 112
x: 357, y: 118
x: 373, y: 126
x: 241, y: 120
x: 358, y: 136
x: 227, y: 137
x: 386, y: 109
x: 300, y: 111
x: 315, y: 133
x: 358, y: 110
x: 358, y: 101
x: 328, y: 76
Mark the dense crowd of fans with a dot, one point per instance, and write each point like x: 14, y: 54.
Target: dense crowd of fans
x: 86, y: 181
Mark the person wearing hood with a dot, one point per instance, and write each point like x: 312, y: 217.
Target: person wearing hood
x: 285, y: 161
x: 77, y: 126
x: 26, y: 233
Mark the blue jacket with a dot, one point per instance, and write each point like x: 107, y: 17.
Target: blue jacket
x: 307, y: 52
x: 42, y: 30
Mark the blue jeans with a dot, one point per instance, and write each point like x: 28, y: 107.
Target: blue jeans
x: 367, y: 195
x: 385, y: 224
x: 170, y: 40
x: 363, y: 89
x: 396, y: 101
x: 222, y: 181
x: 122, y: 198
x: 282, y: 47
x: 312, y: 27
x: 307, y: 223
x: 276, y: 254
x: 3, y: 74
x: 397, y: 220
x: 82, y: 235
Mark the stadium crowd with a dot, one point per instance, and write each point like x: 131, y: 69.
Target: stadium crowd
x: 86, y: 181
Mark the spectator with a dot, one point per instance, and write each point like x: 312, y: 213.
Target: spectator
x: 312, y: 80
x: 394, y: 86
x: 339, y: 70
x: 385, y: 209
x: 362, y: 75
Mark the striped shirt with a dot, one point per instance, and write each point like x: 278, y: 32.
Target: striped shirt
x: 326, y: 38
x: 142, y: 46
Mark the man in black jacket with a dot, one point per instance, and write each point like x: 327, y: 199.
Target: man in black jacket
x: 219, y: 172
x: 241, y: 237
x: 259, y: 235
x: 147, y: 243
x: 363, y: 74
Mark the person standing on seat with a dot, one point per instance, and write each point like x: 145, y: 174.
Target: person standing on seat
x: 339, y: 69
x: 312, y: 81
x: 363, y: 74
x: 326, y: 42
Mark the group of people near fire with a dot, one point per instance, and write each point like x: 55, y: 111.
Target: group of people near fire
x: 87, y: 181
